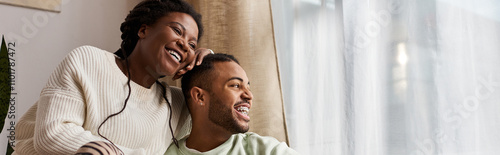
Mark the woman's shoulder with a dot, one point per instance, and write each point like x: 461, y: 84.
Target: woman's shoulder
x: 78, y: 65
x: 174, y: 94
x: 88, y: 51
x: 88, y: 55
x: 176, y: 90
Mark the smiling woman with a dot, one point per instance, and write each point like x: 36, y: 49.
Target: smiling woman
x: 163, y: 48
x: 94, y: 95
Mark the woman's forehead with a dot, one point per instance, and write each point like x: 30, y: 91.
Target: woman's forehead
x: 184, y: 19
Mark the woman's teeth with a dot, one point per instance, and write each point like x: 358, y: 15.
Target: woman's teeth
x: 243, y: 110
x: 176, y: 56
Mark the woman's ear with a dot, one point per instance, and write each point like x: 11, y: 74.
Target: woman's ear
x: 142, y: 31
x: 198, y: 96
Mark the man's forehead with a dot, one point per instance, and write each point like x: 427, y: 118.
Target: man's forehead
x: 229, y: 70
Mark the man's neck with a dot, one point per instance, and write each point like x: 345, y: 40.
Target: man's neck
x: 207, y: 138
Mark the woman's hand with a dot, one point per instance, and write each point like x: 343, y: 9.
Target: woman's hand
x: 98, y: 148
x: 199, y: 55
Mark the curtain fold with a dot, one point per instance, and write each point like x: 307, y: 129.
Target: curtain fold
x: 310, y: 59
x: 244, y: 29
x: 390, y: 76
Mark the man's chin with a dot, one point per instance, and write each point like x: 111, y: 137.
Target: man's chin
x: 245, y: 129
x: 241, y: 129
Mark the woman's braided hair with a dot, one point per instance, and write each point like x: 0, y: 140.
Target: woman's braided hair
x: 147, y: 13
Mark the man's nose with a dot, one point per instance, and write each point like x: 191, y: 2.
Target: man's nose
x: 247, y: 94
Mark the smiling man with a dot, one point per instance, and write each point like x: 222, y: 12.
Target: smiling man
x: 219, y: 99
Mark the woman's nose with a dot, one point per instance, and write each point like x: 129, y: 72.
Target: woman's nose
x: 182, y: 45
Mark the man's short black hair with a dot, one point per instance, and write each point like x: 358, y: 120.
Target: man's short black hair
x: 202, y: 76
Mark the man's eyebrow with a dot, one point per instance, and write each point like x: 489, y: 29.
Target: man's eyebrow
x: 237, y: 78
x: 184, y: 29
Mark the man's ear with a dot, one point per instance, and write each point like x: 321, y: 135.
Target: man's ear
x: 198, y: 96
x: 142, y: 31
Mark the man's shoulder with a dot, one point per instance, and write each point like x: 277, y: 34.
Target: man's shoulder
x: 255, y: 136
x: 258, y: 144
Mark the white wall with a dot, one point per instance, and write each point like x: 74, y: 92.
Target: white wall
x: 47, y: 37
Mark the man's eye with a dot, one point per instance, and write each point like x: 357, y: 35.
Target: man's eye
x: 235, y: 85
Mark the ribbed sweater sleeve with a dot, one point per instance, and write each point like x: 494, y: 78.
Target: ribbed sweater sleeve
x: 61, y: 110
x: 83, y: 90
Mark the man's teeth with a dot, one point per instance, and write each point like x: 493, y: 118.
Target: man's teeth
x: 243, y: 110
x: 176, y: 56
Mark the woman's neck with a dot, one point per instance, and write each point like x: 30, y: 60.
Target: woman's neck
x: 138, y: 74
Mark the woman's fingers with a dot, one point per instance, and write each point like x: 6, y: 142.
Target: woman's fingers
x: 199, y: 55
x: 202, y: 52
x: 98, y: 148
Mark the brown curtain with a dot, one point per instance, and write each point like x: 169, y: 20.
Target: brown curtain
x: 244, y: 29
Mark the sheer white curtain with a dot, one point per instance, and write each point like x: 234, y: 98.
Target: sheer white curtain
x: 390, y: 76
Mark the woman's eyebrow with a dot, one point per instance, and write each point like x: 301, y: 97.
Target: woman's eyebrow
x: 182, y: 26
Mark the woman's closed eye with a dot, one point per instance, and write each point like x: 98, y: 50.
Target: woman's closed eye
x: 192, y: 45
x: 177, y: 30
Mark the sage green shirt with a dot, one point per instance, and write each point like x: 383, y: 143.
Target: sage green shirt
x: 238, y: 144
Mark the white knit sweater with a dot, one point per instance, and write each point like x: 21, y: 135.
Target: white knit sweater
x: 84, y: 89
